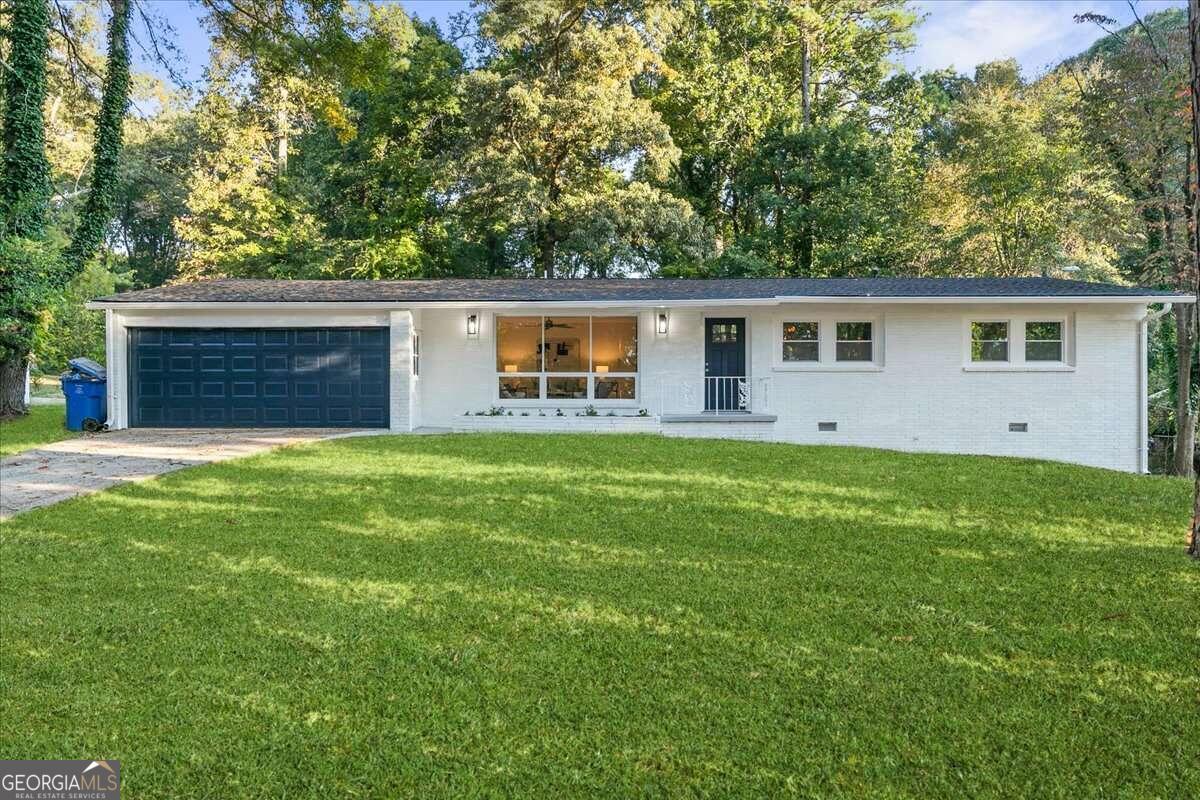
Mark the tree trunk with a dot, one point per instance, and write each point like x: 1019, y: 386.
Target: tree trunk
x: 12, y: 384
x: 545, y: 250
x: 805, y: 77
x: 1194, y: 29
x: 281, y: 131
x: 1185, y: 413
x: 807, y: 234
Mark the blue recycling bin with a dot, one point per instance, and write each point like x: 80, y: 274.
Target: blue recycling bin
x: 86, y: 390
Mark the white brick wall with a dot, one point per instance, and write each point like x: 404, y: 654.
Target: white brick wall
x: 400, y: 365
x: 921, y: 399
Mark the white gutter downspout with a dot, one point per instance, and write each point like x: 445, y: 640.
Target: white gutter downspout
x: 1143, y: 384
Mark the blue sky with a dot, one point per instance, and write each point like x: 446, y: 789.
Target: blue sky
x: 959, y: 33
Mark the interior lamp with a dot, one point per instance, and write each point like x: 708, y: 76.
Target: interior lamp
x: 510, y: 367
x: 602, y: 368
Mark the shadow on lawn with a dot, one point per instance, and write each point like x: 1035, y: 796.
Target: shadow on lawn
x: 457, y: 515
x: 451, y: 605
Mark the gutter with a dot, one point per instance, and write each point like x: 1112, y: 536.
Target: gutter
x: 100, y: 305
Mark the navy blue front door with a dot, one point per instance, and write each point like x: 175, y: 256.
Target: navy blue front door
x: 258, y: 377
x: 724, y: 360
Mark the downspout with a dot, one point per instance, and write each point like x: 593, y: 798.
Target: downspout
x: 1143, y: 379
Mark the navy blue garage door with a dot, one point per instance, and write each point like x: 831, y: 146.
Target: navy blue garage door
x: 258, y: 377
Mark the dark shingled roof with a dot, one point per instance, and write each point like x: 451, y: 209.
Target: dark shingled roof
x: 634, y: 290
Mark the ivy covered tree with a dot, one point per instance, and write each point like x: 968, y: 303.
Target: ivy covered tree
x: 97, y: 212
x: 28, y: 265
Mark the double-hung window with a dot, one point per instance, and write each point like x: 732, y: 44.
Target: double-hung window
x: 566, y: 358
x: 1044, y: 341
x: 989, y: 341
x: 801, y: 341
x: 854, y: 342
x: 1022, y: 343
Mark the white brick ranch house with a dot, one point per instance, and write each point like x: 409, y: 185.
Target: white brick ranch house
x: 1032, y: 367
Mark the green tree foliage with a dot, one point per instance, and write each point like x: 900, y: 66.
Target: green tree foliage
x: 29, y: 268
x: 1016, y: 187
x: 381, y: 193
x: 66, y: 329
x: 785, y: 114
x: 563, y: 155
x: 152, y: 192
x: 114, y: 102
x: 363, y: 190
x: 237, y: 224
x: 1134, y: 91
x: 25, y: 180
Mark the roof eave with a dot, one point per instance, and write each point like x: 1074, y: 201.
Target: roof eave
x: 103, y: 305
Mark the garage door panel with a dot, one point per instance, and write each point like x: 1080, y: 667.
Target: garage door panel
x: 196, y: 377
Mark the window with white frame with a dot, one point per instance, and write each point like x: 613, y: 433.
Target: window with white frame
x: 416, y: 353
x: 801, y: 341
x: 989, y: 341
x: 1044, y: 341
x: 854, y: 341
x: 566, y: 358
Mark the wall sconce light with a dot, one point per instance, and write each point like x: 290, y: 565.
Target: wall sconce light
x: 662, y: 323
x: 472, y: 325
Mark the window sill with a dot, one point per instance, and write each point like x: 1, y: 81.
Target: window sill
x: 1018, y: 368
x: 848, y: 366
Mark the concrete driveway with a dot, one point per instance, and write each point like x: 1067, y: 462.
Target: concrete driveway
x: 90, y: 463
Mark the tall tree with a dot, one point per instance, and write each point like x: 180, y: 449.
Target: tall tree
x: 796, y: 136
x: 27, y: 268
x: 25, y: 181
x: 1133, y: 102
x: 114, y: 102
x: 562, y: 148
x: 1015, y: 188
x: 1194, y: 30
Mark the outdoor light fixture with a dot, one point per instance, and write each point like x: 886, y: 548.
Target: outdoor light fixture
x: 472, y: 324
x: 662, y: 323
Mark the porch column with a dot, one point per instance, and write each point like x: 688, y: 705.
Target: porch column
x: 400, y: 371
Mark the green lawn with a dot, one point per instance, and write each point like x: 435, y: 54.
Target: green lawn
x: 42, y: 425
x: 561, y: 616
x: 46, y: 386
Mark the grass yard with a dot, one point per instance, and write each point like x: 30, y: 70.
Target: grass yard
x: 42, y: 425
x: 555, y: 616
x: 46, y: 386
